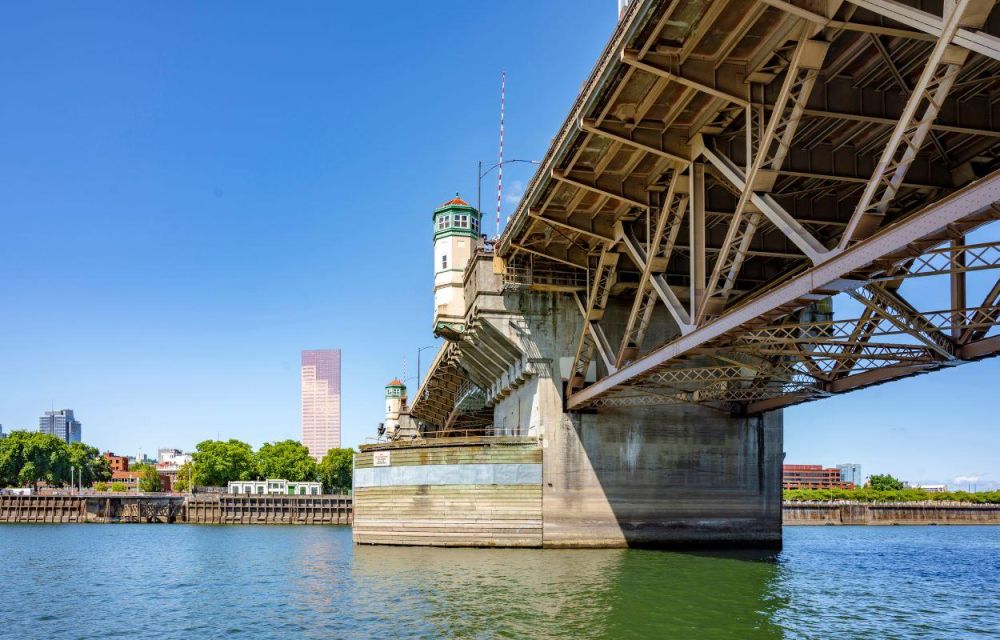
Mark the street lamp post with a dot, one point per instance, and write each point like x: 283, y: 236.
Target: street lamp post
x: 482, y: 174
x: 419, y: 351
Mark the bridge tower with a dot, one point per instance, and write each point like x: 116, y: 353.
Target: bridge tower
x: 395, y: 402
x: 456, y: 232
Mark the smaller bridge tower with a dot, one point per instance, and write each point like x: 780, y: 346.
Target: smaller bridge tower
x: 395, y: 403
x: 456, y: 232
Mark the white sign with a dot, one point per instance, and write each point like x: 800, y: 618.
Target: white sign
x: 381, y: 458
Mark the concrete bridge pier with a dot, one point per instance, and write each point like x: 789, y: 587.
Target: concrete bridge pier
x: 667, y: 474
x: 663, y: 475
x: 659, y: 476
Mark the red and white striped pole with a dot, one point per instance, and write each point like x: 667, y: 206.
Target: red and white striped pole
x: 503, y: 80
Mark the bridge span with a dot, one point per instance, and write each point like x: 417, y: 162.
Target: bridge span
x: 751, y: 204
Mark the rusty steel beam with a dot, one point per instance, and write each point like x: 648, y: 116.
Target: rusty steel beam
x: 826, y: 277
x: 910, y: 132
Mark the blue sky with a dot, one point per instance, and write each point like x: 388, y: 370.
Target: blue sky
x: 190, y: 193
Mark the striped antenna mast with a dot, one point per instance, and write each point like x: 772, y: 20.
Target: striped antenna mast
x: 503, y: 82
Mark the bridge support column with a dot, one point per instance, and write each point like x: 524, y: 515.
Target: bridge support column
x: 662, y: 476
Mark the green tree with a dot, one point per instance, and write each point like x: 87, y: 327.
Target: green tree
x: 335, y: 470
x: 101, y: 486
x: 216, y: 462
x: 118, y: 487
x: 885, y: 482
x: 29, y: 457
x: 182, y: 483
x: 89, y: 463
x: 288, y: 459
x: 149, y: 478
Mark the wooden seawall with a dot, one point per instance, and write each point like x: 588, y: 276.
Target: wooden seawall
x: 199, y: 509
x: 887, y: 513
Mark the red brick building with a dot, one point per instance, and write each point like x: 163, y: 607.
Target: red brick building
x: 131, y: 479
x: 812, y: 476
x: 117, y: 463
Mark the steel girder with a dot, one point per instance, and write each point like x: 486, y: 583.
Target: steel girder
x: 835, y: 191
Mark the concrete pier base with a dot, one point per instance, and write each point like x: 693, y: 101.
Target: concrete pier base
x: 663, y: 476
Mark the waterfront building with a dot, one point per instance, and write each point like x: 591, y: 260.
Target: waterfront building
x: 812, y: 476
x: 321, y: 401
x: 456, y: 234
x: 117, y: 463
x: 61, y: 424
x: 275, y: 487
x: 851, y: 472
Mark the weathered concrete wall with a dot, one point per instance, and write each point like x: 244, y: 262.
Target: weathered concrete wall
x: 669, y: 476
x: 799, y: 513
x: 235, y: 509
x: 205, y: 509
x: 43, y: 508
x: 663, y: 475
x: 479, y: 492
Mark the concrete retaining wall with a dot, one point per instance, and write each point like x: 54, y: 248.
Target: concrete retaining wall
x: 203, y: 509
x: 799, y: 513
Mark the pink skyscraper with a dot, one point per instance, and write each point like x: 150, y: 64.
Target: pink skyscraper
x: 321, y: 401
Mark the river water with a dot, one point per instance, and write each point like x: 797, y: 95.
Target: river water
x: 190, y: 581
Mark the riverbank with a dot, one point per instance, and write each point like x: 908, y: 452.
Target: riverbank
x: 888, y: 513
x: 196, y: 509
x: 338, y: 510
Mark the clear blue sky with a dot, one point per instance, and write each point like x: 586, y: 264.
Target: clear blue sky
x: 190, y: 193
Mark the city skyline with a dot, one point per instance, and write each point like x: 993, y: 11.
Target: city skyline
x: 320, y: 400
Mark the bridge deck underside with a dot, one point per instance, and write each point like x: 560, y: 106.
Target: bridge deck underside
x: 731, y: 164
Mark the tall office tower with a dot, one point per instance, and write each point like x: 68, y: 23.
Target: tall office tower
x: 60, y: 424
x: 321, y: 401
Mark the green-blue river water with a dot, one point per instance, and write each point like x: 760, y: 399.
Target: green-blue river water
x: 189, y: 581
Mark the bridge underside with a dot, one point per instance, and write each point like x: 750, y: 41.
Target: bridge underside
x: 752, y: 204
x: 730, y: 164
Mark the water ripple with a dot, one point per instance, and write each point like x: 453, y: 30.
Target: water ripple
x: 183, y: 582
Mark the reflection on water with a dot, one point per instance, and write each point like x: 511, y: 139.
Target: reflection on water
x: 581, y: 594
x: 178, y: 581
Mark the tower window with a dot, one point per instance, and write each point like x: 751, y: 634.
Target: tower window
x: 444, y: 261
x: 462, y: 221
x: 443, y: 222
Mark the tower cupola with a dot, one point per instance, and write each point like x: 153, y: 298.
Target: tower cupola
x: 456, y: 233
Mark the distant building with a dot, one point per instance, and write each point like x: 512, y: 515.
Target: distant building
x: 131, y: 480
x: 812, y: 476
x: 171, y: 458
x: 2, y: 435
x: 321, y: 401
x: 850, y: 472
x: 274, y: 487
x: 933, y: 488
x: 117, y: 463
x: 61, y: 424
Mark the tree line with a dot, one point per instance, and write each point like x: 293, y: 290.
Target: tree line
x: 217, y: 462
x: 27, y: 458
x: 886, y: 488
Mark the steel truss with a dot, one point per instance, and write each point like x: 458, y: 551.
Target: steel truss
x: 739, y: 161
